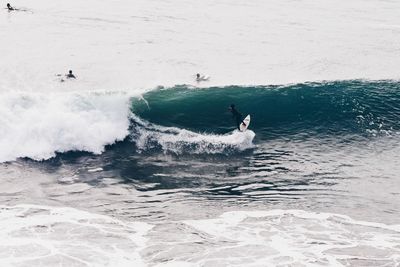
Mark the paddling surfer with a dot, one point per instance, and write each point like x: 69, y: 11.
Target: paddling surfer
x: 201, y: 78
x: 70, y: 75
x: 9, y: 7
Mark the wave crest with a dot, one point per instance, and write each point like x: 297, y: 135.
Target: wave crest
x: 39, y: 125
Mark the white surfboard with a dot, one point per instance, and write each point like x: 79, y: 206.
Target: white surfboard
x: 246, y: 122
x: 203, y: 78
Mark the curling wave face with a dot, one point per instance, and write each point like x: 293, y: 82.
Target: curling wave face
x: 310, y: 109
x: 192, y: 120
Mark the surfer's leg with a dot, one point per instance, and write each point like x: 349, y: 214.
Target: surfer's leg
x: 238, y: 122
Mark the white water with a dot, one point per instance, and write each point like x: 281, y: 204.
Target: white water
x: 36, y: 125
x: 34, y: 235
x: 296, y: 237
x: 171, y: 139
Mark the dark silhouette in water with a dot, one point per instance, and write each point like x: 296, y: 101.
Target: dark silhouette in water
x: 200, y: 78
x: 237, y: 116
x: 9, y: 7
x: 70, y: 75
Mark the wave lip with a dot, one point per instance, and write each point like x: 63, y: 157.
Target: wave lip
x: 39, y: 125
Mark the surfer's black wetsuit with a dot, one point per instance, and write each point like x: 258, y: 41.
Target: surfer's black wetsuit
x: 237, y: 116
x: 70, y: 75
x: 9, y: 7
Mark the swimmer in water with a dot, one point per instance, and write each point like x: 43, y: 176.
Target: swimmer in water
x: 70, y: 75
x: 9, y: 7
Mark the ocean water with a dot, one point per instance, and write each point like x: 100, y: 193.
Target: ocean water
x: 135, y: 163
x: 313, y: 182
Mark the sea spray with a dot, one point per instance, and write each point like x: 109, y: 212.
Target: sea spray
x: 39, y: 125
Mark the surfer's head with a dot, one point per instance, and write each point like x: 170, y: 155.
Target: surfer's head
x: 70, y: 71
x: 8, y: 5
x: 232, y: 106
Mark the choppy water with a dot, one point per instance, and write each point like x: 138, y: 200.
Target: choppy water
x: 164, y: 179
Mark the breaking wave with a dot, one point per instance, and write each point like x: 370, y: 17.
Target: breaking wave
x: 193, y: 120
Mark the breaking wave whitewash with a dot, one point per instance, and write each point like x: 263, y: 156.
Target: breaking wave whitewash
x: 38, y: 125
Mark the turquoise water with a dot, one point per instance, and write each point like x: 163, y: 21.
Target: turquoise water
x: 303, y: 110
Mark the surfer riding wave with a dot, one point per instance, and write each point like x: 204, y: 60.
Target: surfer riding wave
x: 237, y: 116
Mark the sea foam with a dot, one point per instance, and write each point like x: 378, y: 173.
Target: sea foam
x: 148, y: 136
x: 38, y: 125
x: 290, y: 237
x: 41, y: 235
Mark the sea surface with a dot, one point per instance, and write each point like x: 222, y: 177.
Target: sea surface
x: 134, y: 163
x: 312, y: 182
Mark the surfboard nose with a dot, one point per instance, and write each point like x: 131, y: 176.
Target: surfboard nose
x: 245, y: 124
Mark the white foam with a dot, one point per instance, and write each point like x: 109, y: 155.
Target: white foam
x: 171, y: 139
x: 43, y: 235
x: 37, y: 125
x: 293, y: 237
x: 35, y: 235
x: 95, y: 170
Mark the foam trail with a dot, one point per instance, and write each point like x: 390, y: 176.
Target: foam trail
x: 39, y: 125
x: 171, y: 139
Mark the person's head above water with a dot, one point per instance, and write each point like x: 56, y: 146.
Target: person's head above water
x: 9, y: 6
x: 70, y: 75
x: 232, y: 106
